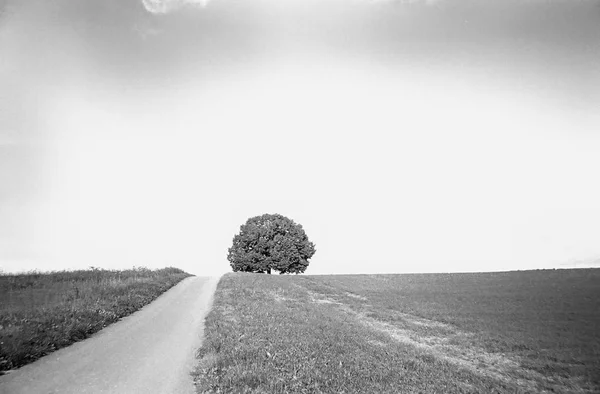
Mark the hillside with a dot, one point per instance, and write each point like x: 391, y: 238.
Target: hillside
x: 527, y: 331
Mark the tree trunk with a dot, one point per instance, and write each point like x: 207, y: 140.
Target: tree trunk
x: 269, y: 271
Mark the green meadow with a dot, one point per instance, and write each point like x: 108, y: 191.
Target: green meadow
x: 508, y: 332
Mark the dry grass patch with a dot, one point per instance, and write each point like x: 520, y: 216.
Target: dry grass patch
x: 356, y: 296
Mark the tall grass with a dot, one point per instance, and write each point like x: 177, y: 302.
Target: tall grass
x: 42, y: 312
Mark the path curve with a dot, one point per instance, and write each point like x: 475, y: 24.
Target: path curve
x: 150, y: 351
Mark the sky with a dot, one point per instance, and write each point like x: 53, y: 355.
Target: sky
x: 404, y: 135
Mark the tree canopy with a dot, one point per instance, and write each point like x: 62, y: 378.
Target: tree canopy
x: 271, y: 242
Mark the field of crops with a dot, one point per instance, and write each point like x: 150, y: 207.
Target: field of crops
x: 43, y: 312
x: 528, y: 331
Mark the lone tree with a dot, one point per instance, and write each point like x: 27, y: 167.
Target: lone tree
x: 270, y: 242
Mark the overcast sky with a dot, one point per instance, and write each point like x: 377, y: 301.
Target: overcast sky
x: 405, y: 136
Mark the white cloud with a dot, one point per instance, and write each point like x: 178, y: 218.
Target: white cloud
x: 166, y: 6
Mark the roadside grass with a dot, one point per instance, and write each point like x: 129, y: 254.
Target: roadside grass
x: 530, y: 331
x: 43, y: 312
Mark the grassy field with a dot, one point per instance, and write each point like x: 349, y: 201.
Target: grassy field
x: 531, y: 331
x: 42, y: 312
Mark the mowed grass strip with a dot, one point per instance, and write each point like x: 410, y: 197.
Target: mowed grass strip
x: 512, y: 332
x: 277, y: 334
x: 43, y: 312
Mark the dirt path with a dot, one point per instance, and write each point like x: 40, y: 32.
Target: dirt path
x: 151, y: 351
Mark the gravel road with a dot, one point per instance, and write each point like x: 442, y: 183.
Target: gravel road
x: 150, y: 351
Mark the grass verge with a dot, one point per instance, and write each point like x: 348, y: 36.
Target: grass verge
x: 43, y: 312
x: 436, y: 333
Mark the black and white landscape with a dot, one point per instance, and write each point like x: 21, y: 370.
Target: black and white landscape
x: 452, y: 144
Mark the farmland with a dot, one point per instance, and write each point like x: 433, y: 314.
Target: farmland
x: 43, y: 312
x: 529, y: 331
